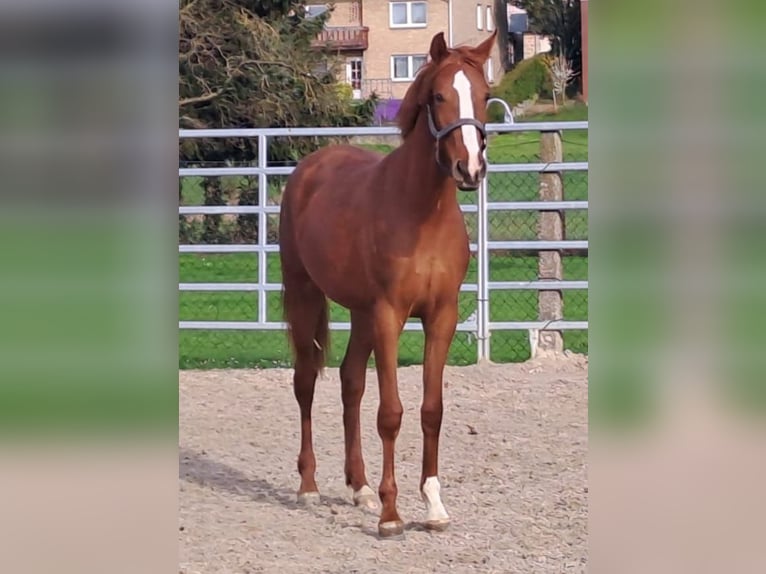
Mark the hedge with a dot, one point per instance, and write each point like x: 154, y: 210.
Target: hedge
x: 528, y: 79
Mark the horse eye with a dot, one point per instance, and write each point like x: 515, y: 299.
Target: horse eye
x: 438, y: 97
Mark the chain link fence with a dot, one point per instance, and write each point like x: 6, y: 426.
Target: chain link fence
x: 232, y: 348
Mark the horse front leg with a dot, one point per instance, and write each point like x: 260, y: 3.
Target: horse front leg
x: 439, y: 328
x: 388, y: 326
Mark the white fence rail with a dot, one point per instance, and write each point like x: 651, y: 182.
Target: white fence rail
x: 479, y: 324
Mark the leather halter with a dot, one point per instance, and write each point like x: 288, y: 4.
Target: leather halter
x: 439, y: 134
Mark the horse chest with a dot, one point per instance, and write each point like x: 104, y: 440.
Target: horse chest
x: 429, y: 269
x: 430, y: 275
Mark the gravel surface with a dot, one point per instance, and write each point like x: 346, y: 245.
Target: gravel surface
x: 512, y: 468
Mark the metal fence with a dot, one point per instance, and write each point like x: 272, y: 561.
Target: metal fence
x: 526, y: 288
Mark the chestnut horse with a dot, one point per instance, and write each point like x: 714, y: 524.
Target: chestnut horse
x: 384, y: 237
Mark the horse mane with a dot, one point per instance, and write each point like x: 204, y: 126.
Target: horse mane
x: 418, y: 93
x: 414, y: 99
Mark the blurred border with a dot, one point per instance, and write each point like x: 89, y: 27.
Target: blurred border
x: 677, y: 385
x: 88, y: 295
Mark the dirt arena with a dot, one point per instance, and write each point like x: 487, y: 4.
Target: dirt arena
x: 512, y: 469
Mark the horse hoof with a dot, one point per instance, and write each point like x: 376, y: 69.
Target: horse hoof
x: 308, y: 498
x: 437, y: 525
x: 391, y: 528
x: 366, y: 498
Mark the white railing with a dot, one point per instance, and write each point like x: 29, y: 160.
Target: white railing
x: 479, y: 323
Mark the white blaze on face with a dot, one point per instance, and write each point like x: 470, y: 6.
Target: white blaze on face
x: 470, y: 134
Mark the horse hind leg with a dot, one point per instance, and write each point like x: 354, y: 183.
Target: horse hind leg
x: 306, y: 313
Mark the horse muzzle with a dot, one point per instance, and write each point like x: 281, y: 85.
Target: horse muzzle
x: 467, y: 176
x: 466, y: 179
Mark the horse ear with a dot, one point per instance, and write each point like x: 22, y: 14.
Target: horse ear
x: 438, y: 48
x: 483, y: 50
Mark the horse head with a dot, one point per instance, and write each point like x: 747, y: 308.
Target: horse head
x: 452, y: 91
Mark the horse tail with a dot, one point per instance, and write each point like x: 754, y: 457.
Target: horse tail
x: 322, y: 338
x: 305, y: 308
x: 303, y: 337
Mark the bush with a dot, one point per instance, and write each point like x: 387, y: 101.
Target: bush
x: 345, y: 92
x: 528, y: 79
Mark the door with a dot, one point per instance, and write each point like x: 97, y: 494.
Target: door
x: 354, y: 76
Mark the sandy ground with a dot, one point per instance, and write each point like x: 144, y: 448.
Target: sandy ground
x: 512, y: 469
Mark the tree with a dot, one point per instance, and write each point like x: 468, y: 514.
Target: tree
x: 562, y: 74
x: 501, y: 23
x: 252, y: 63
x: 559, y: 19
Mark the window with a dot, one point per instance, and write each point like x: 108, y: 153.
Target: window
x: 479, y: 17
x: 404, y: 68
x: 490, y: 20
x: 490, y: 71
x: 314, y: 10
x: 354, y: 73
x: 353, y: 12
x: 407, y: 14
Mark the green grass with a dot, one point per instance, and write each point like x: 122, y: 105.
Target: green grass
x: 217, y: 349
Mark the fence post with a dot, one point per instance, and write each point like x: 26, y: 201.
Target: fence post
x: 482, y: 276
x: 263, y: 194
x: 551, y: 228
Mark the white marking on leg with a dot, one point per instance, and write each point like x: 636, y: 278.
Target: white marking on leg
x: 435, y: 511
x: 366, y: 498
x: 470, y: 136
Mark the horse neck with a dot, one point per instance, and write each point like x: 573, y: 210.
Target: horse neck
x: 425, y: 185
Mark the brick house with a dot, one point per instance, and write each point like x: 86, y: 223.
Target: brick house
x: 384, y: 42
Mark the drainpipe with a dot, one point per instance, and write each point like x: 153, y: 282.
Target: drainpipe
x: 449, y: 23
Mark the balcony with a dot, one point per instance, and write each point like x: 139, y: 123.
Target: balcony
x: 342, y: 38
x: 382, y: 87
